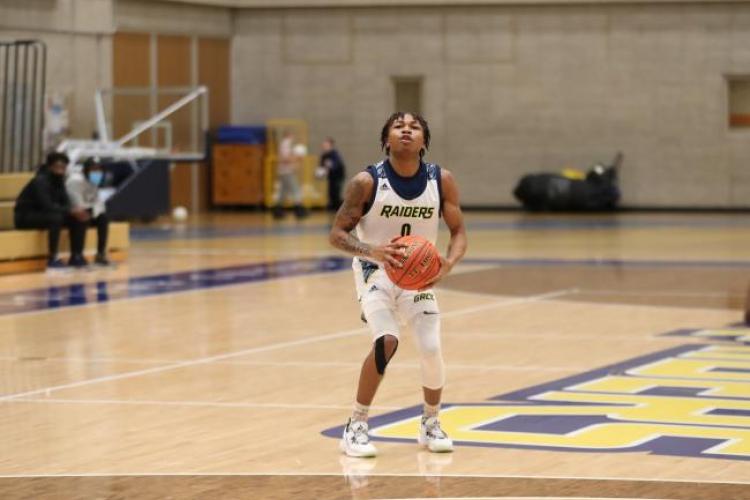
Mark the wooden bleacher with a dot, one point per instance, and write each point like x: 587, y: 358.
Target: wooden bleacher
x: 26, y: 250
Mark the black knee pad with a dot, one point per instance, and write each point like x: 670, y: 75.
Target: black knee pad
x: 381, y: 357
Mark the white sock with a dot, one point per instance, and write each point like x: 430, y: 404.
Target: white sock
x: 360, y: 412
x: 430, y: 410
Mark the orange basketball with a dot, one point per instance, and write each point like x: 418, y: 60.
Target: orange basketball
x: 421, y: 263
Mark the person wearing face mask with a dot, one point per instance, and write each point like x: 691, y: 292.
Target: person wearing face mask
x: 83, y: 190
x: 44, y: 204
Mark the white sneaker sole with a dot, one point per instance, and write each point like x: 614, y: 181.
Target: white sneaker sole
x: 354, y: 453
x: 437, y: 447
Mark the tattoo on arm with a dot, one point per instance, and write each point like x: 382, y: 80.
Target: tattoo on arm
x: 351, y: 244
x: 347, y: 218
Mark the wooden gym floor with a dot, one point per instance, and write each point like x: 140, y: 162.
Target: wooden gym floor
x: 588, y: 357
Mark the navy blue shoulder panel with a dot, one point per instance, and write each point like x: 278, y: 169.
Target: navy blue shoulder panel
x: 379, y: 170
x: 432, y: 171
x: 374, y: 171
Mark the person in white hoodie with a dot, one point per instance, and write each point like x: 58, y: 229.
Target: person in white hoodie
x: 83, y: 191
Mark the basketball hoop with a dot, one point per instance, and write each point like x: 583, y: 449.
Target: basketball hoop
x: 119, y: 149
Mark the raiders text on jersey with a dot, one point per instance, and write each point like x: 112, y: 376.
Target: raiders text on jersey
x: 400, y: 211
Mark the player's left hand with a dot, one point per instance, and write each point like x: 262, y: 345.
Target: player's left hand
x: 445, y: 268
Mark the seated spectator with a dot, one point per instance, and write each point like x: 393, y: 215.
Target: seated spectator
x: 83, y: 191
x: 44, y: 204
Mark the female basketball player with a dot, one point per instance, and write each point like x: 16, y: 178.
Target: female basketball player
x: 374, y: 205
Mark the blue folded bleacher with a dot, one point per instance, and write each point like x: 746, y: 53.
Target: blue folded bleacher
x: 245, y: 134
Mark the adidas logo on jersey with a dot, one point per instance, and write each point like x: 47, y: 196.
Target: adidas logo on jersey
x: 384, y: 187
x: 373, y: 288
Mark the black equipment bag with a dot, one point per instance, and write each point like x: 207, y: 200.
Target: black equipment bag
x: 547, y: 191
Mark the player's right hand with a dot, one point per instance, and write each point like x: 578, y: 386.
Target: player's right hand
x: 390, y: 254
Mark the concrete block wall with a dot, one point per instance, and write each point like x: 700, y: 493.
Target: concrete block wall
x: 79, y: 49
x: 507, y: 89
x: 149, y: 16
x: 514, y: 89
x: 78, y: 35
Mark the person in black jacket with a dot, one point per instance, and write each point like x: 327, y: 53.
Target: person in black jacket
x: 44, y: 204
x: 333, y: 165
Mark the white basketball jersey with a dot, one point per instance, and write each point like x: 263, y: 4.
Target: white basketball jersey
x: 401, y: 206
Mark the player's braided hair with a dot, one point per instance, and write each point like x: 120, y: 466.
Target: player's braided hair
x: 398, y: 115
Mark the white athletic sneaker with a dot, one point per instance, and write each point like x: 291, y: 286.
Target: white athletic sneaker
x: 433, y: 437
x: 355, y: 442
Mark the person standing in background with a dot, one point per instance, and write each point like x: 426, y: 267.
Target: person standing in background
x: 287, y: 165
x: 83, y: 191
x: 333, y: 165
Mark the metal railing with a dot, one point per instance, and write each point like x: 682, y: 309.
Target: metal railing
x: 23, y: 66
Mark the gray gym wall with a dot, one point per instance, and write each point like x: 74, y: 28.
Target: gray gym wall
x: 79, y: 57
x: 508, y: 89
